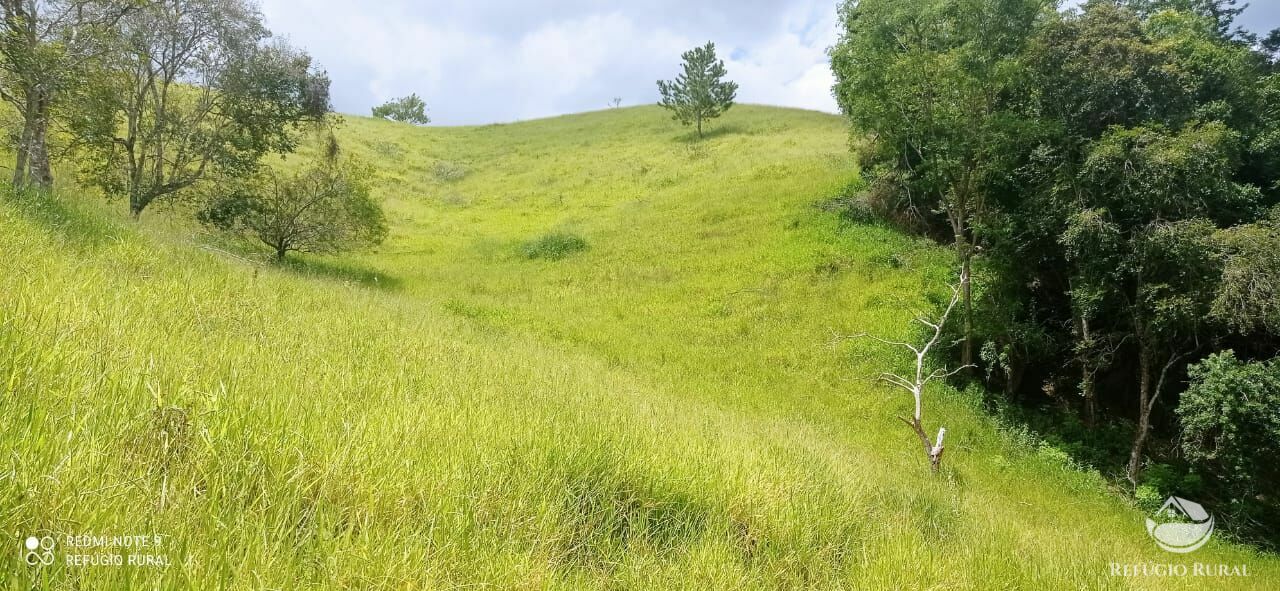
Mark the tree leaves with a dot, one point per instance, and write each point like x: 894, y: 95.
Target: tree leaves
x: 700, y: 93
x: 407, y: 109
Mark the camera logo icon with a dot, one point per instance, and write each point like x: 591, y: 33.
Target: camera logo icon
x: 39, y: 551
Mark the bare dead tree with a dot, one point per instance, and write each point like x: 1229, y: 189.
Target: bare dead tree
x: 916, y: 384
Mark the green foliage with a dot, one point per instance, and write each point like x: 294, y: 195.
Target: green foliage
x: 323, y: 208
x: 1111, y: 167
x: 1248, y: 299
x: 1230, y: 419
x: 700, y: 93
x: 553, y: 246
x: 448, y: 172
x: 921, y: 79
x: 1149, y: 498
x: 212, y: 110
x: 406, y: 109
x: 52, y: 56
x: 1219, y: 14
x: 1146, y: 173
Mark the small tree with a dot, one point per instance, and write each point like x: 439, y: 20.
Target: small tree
x: 324, y: 208
x: 700, y: 93
x: 915, y: 384
x: 406, y: 109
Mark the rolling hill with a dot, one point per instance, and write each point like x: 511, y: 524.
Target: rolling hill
x: 594, y: 353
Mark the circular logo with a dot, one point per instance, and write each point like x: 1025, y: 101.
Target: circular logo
x: 39, y: 551
x: 1184, y: 526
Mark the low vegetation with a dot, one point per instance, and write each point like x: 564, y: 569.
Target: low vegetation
x: 662, y: 410
x: 555, y: 245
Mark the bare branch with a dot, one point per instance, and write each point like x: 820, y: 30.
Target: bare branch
x: 863, y: 335
x: 916, y: 385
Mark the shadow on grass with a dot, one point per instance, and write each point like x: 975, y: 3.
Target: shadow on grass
x: 62, y: 218
x: 341, y: 271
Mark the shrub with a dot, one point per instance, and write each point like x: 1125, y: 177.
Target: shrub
x: 1148, y: 498
x: 1231, y: 422
x: 553, y: 246
x: 448, y: 172
x: 388, y: 150
x: 324, y: 208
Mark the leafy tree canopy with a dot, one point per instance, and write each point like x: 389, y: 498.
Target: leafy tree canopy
x: 325, y: 207
x: 406, y: 109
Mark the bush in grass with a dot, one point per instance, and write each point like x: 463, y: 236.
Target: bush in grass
x: 326, y: 207
x: 553, y: 246
x: 447, y: 172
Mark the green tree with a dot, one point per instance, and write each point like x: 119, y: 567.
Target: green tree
x: 1231, y: 423
x: 1221, y: 13
x: 1143, y: 261
x: 700, y: 93
x: 49, y: 54
x: 407, y: 109
x: 930, y: 82
x: 1110, y: 169
x: 1248, y: 298
x: 201, y: 90
x: 325, y: 207
x: 1134, y: 180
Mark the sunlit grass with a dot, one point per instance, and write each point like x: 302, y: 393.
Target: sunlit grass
x: 664, y: 409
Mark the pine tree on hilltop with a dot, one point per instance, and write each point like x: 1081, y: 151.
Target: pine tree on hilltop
x: 700, y: 93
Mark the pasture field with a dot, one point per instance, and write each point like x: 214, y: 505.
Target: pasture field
x: 593, y: 354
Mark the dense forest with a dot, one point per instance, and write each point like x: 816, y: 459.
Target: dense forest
x: 1108, y: 179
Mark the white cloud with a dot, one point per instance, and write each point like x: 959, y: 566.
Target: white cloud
x: 791, y: 67
x: 484, y: 62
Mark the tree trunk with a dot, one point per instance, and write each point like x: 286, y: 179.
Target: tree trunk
x: 957, y: 216
x: 699, y: 126
x: 1144, y: 414
x: 1013, y: 376
x: 22, y: 154
x: 966, y: 290
x: 136, y: 205
x: 1089, y: 387
x: 1088, y: 372
x: 41, y: 173
x: 932, y: 450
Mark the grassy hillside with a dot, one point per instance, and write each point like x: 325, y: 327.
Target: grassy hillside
x: 663, y: 409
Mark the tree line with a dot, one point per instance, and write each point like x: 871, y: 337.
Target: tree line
x: 159, y: 100
x: 1109, y: 179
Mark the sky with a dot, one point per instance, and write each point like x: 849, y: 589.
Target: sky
x: 1261, y: 17
x: 486, y: 61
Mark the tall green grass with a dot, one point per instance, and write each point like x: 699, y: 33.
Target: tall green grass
x: 667, y: 409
